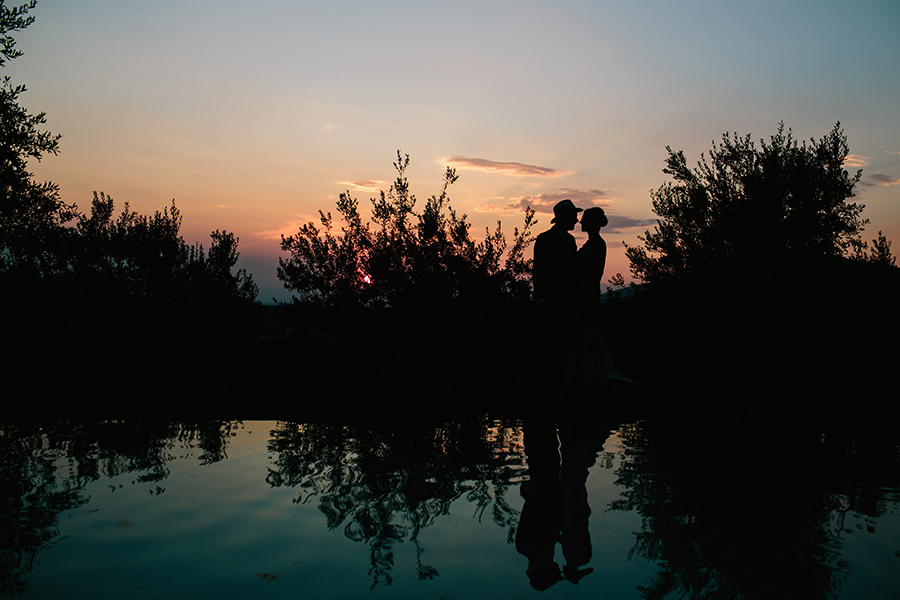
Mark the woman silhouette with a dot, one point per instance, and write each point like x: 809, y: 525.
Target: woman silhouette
x: 590, y: 365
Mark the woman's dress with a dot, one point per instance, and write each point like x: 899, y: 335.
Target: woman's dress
x: 590, y: 365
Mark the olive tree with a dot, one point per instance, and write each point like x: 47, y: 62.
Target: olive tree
x: 748, y: 206
x: 32, y: 216
x: 401, y: 257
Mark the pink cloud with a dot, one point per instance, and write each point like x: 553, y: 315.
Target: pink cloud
x: 879, y: 180
x: 543, y: 203
x: 856, y: 161
x: 506, y: 168
x: 364, y: 186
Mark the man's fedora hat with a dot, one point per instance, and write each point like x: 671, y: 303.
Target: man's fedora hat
x: 564, y: 207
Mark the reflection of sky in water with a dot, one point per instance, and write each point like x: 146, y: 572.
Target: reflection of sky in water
x: 221, y: 530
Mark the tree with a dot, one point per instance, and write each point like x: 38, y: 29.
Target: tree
x: 403, y: 258
x: 113, y: 295
x: 748, y: 207
x: 32, y: 216
x: 145, y: 258
x: 881, y: 251
x: 879, y: 254
x: 49, y: 246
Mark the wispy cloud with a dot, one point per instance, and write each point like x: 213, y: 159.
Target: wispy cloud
x: 291, y: 227
x: 543, y: 204
x: 327, y: 129
x: 880, y: 180
x: 371, y: 186
x: 617, y: 223
x: 856, y: 160
x: 506, y: 168
x: 287, y: 229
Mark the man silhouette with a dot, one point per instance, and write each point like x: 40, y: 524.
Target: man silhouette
x: 555, y: 287
x: 554, y: 258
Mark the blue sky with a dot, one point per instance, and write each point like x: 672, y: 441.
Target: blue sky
x: 253, y: 116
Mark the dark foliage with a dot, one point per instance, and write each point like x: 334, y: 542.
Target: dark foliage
x: 31, y: 213
x: 97, y: 303
x: 48, y: 248
x: 129, y: 298
x: 879, y: 254
x: 757, y: 274
x: 144, y: 257
x: 751, y: 208
x: 401, y: 258
x: 406, y: 301
x: 783, y: 346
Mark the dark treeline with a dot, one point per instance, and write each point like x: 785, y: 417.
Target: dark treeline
x: 94, y: 304
x: 796, y: 343
x: 409, y: 304
x: 405, y: 260
x: 123, y: 307
x: 758, y: 285
x: 118, y: 307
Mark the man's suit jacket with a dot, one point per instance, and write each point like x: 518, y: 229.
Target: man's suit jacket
x: 554, y: 275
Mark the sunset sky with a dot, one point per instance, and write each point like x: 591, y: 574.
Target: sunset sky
x: 254, y: 115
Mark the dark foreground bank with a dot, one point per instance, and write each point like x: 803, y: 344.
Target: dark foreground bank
x: 797, y: 344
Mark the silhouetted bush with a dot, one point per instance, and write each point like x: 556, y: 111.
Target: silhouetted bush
x: 145, y: 257
x: 408, y: 301
x: 879, y: 254
x: 752, y: 208
x: 49, y: 249
x: 401, y: 258
x: 759, y: 285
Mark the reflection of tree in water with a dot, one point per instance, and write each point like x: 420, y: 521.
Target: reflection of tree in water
x: 386, y: 485
x: 735, y: 512
x: 45, y: 468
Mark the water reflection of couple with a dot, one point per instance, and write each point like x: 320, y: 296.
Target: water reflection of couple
x: 556, y: 509
x: 567, y: 291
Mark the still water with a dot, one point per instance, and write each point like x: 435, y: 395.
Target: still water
x: 481, y: 507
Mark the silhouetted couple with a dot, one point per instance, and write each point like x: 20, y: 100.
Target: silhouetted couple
x: 567, y: 292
